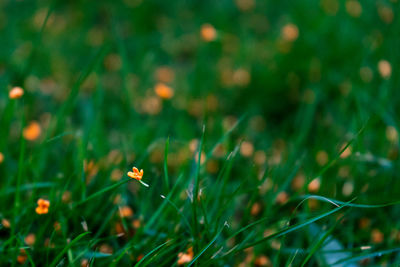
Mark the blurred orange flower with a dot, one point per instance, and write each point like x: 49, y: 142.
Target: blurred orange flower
x: 43, y: 206
x: 16, y: 92
x: 125, y: 211
x: 385, y: 69
x: 32, y: 131
x: 164, y: 91
x: 22, y: 257
x: 208, y: 32
x: 290, y: 32
x: 185, y: 257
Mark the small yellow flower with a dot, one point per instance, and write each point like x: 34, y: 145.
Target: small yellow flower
x: 43, y: 206
x: 135, y: 174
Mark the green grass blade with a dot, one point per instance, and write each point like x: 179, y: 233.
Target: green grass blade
x: 207, y: 246
x: 196, y: 187
x: 319, y: 243
x: 66, y: 248
x: 343, y: 262
x: 99, y: 193
x: 166, y: 179
x: 290, y: 229
x: 354, y: 205
x: 142, y: 261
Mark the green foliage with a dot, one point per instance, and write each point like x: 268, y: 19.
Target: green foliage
x: 267, y: 132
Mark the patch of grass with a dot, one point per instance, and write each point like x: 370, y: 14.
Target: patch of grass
x: 267, y: 132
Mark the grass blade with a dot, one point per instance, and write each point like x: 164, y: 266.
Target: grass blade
x: 67, y: 247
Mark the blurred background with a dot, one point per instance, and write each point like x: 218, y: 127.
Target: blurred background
x: 297, y: 80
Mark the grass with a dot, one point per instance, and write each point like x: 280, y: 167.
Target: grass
x: 268, y: 139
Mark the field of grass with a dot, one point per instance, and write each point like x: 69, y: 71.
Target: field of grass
x: 267, y: 132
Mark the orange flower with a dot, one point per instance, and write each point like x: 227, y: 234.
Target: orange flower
x: 208, y: 32
x: 164, y: 91
x: 32, y: 131
x: 6, y: 223
x: 125, y: 211
x: 16, y: 92
x: 22, y: 256
x: 290, y: 32
x: 185, y: 257
x: 43, y: 206
x: 135, y: 174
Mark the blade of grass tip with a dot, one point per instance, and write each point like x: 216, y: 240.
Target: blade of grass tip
x: 365, y: 256
x: 218, y: 207
x: 290, y: 262
x: 70, y: 256
x: 208, y: 245
x: 141, y: 262
x: 290, y: 228
x: 196, y: 187
x: 98, y: 193
x: 166, y: 179
x: 66, y: 248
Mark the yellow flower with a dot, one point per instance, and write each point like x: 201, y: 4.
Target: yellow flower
x: 135, y: 174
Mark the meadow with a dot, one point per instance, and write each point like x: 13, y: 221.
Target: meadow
x: 199, y: 133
